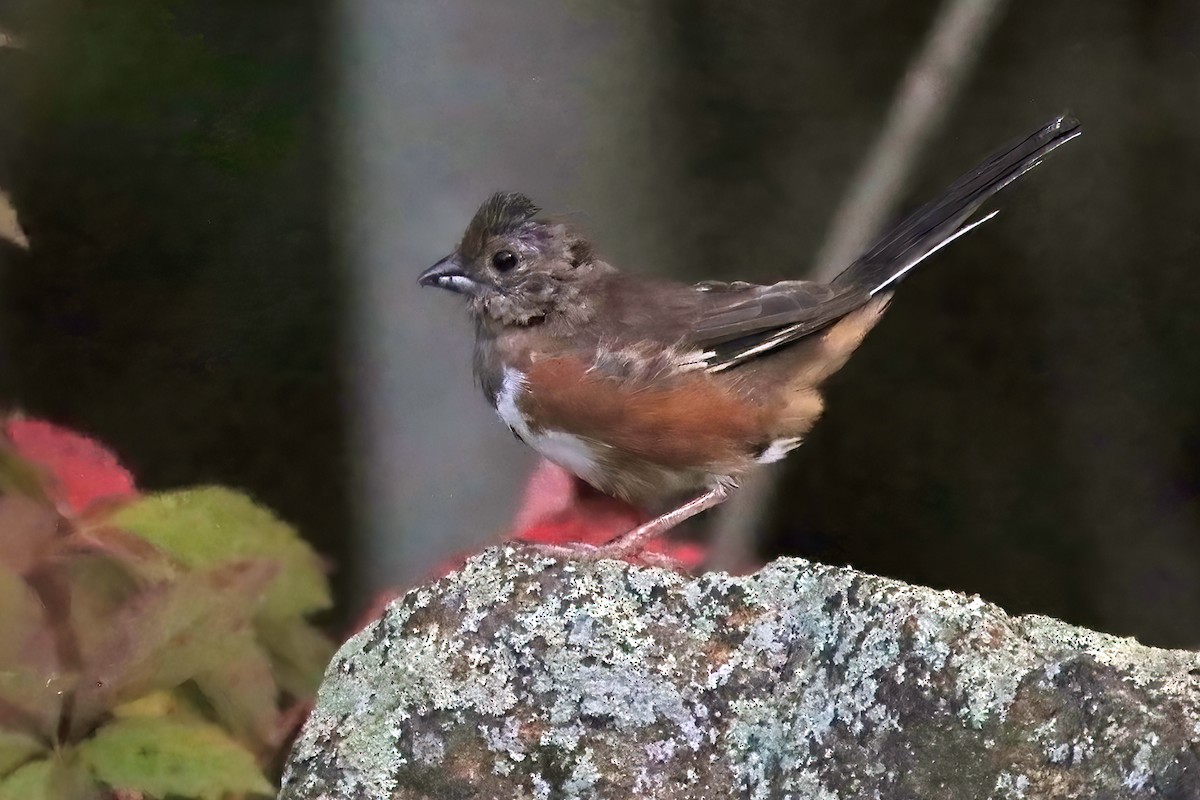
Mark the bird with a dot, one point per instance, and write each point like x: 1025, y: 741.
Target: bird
x: 655, y: 391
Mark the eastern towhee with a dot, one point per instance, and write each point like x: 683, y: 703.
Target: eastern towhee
x: 649, y: 389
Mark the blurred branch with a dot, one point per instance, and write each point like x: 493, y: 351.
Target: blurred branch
x: 10, y: 226
x: 933, y: 80
x: 920, y: 106
x: 10, y: 40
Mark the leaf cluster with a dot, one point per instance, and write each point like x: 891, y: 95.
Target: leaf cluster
x: 152, y: 646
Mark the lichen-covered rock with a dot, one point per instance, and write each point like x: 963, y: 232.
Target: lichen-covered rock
x: 524, y: 677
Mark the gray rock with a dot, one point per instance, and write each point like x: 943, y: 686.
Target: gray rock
x: 523, y: 677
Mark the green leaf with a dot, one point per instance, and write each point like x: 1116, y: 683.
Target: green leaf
x: 173, y: 704
x: 168, y: 757
x: 20, y: 477
x: 27, y: 531
x: 136, y: 557
x: 243, y: 694
x: 31, y: 683
x: 31, y: 699
x: 167, y: 634
x: 211, y: 526
x: 60, y: 777
x: 299, y: 653
x: 30, y: 782
x: 22, y: 620
x: 99, y: 587
x: 16, y: 749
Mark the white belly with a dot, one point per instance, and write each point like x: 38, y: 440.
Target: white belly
x: 573, y: 453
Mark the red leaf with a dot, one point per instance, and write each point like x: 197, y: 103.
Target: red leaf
x: 83, y: 470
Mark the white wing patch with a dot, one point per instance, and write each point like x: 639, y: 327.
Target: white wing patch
x: 691, y: 360
x: 785, y: 334
x: 642, y: 362
x: 573, y: 453
x: 778, y: 449
x: 506, y: 401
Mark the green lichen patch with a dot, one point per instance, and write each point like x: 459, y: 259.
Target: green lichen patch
x: 520, y: 676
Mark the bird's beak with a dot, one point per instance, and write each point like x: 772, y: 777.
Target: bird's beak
x: 449, y: 274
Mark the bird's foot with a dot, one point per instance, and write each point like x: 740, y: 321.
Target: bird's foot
x: 632, y: 544
x: 617, y: 550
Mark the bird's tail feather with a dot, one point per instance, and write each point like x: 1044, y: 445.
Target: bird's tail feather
x: 939, y: 222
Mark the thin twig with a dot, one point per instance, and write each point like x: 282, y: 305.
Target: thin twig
x: 10, y: 41
x: 10, y: 226
x: 920, y: 106
x: 921, y: 103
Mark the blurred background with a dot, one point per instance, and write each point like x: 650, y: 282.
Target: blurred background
x: 223, y: 207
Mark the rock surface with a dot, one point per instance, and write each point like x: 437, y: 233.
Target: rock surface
x: 523, y: 677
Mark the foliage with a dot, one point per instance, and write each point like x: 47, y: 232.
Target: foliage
x: 150, y: 645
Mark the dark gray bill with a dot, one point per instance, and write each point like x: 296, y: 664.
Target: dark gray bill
x: 449, y: 274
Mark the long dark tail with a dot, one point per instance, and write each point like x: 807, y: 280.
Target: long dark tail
x: 942, y: 220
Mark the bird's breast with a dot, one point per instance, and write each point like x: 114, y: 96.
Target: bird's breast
x: 635, y: 441
x: 571, y: 452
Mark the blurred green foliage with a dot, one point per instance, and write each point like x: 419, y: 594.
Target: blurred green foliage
x: 155, y: 644
x: 171, y: 176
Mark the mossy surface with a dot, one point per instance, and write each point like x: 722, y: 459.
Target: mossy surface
x: 523, y: 677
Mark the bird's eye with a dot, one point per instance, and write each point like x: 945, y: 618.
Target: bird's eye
x: 504, y: 260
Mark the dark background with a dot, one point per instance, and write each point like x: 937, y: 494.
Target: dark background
x: 1024, y: 425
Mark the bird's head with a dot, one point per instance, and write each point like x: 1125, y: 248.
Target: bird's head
x: 516, y: 267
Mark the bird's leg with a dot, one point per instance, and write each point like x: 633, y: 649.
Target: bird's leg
x: 632, y: 542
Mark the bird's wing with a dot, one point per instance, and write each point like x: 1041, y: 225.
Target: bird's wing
x: 736, y: 321
x: 943, y: 219
x: 742, y: 321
